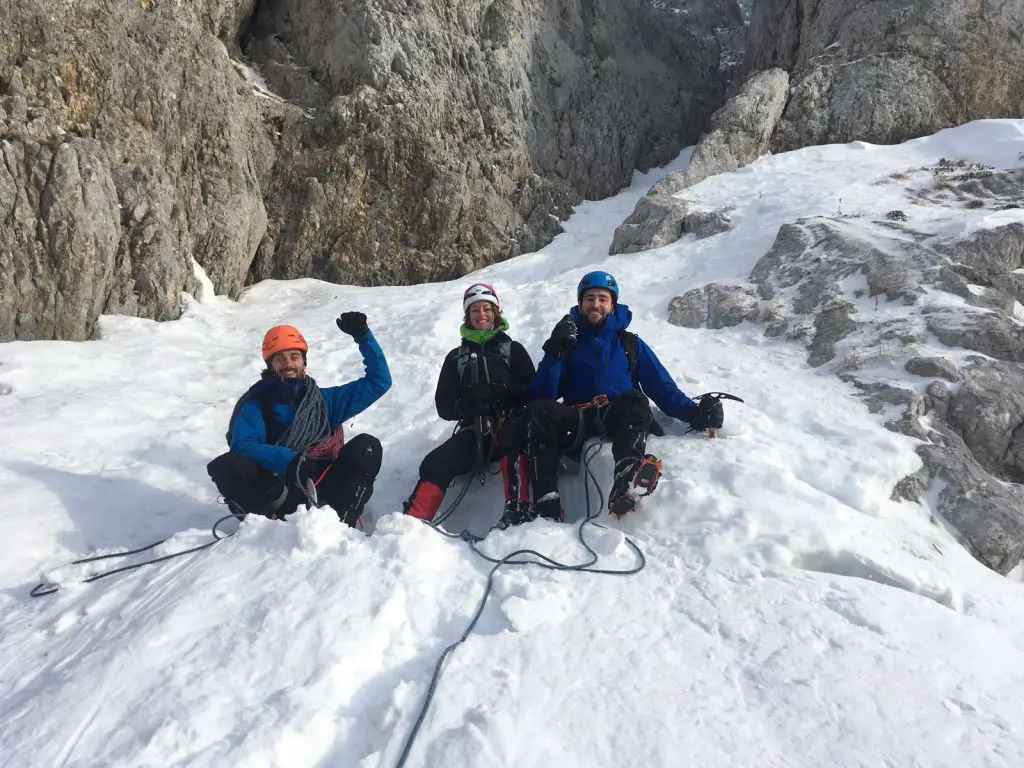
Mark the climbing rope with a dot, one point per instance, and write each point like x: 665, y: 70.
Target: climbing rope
x: 538, y: 559
x: 43, y: 589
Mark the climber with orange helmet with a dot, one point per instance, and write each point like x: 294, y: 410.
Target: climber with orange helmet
x: 483, y: 381
x: 287, y: 444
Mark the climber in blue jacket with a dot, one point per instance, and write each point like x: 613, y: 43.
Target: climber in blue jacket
x: 286, y: 435
x: 604, y: 375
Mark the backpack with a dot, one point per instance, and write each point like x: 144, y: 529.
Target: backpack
x: 504, y: 352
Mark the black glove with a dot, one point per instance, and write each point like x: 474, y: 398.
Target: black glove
x: 303, y: 472
x: 709, y: 413
x: 354, y: 324
x: 563, y: 337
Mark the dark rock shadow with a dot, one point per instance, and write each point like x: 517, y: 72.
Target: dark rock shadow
x: 115, y: 511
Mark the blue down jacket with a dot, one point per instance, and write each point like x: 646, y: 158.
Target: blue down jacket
x: 254, y: 437
x: 599, y: 365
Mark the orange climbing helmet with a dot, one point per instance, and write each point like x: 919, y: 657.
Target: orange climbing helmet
x: 282, y: 337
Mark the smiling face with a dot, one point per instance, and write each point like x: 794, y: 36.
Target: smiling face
x: 288, y: 364
x: 596, y: 304
x: 481, y: 315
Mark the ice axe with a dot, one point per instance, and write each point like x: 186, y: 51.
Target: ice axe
x: 715, y: 397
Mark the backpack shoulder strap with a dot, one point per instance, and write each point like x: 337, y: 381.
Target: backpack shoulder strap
x: 628, y: 342
x: 462, y: 359
x: 504, y: 351
x: 249, y: 395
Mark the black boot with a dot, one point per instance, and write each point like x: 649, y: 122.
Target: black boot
x: 549, y: 506
x: 515, y: 513
x: 353, y: 501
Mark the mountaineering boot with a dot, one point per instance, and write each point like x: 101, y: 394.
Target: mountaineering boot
x: 425, y: 501
x: 515, y: 513
x: 549, y: 506
x: 632, y: 482
x: 351, y: 509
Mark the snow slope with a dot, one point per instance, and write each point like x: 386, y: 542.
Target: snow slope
x: 789, y: 613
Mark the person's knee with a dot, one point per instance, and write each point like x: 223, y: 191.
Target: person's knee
x: 228, y: 466
x: 542, y: 410
x: 549, y: 421
x: 634, y: 400
x: 367, y: 453
x: 434, y: 468
x: 630, y: 408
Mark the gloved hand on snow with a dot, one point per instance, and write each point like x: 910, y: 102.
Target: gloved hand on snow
x: 709, y: 414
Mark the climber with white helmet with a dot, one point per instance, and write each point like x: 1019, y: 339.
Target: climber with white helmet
x: 483, y: 383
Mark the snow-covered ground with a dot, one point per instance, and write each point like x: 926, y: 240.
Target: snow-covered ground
x: 789, y: 613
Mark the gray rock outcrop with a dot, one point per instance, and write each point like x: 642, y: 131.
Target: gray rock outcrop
x: 889, y: 70
x: 134, y: 124
x: 741, y: 132
x: 866, y: 296
x: 657, y: 220
x: 397, y: 143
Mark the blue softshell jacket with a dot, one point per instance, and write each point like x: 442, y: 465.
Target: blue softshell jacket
x: 599, y: 366
x: 252, y: 436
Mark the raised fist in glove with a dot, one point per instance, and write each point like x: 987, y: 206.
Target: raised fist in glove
x: 709, y: 414
x: 354, y: 324
x: 563, y: 337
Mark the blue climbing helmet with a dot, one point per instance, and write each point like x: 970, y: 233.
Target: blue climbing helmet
x: 598, y: 280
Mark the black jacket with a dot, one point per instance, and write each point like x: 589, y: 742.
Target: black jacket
x: 515, y: 376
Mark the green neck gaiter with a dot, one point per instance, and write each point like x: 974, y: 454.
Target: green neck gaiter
x: 481, y: 337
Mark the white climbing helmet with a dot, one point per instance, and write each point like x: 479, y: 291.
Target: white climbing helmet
x: 480, y: 292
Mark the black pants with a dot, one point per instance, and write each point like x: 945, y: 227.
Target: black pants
x: 554, y: 429
x: 346, y: 486
x: 457, y: 456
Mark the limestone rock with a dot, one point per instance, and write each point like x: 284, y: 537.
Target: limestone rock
x: 657, y: 220
x: 740, y: 132
x: 889, y: 70
x: 932, y: 367
x: 58, y: 246
x: 396, y: 143
x: 988, y: 413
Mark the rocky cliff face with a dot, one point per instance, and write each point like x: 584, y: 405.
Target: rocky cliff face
x: 131, y: 145
x: 888, y: 70
x: 833, y: 71
x: 399, y: 141
x: 889, y: 288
